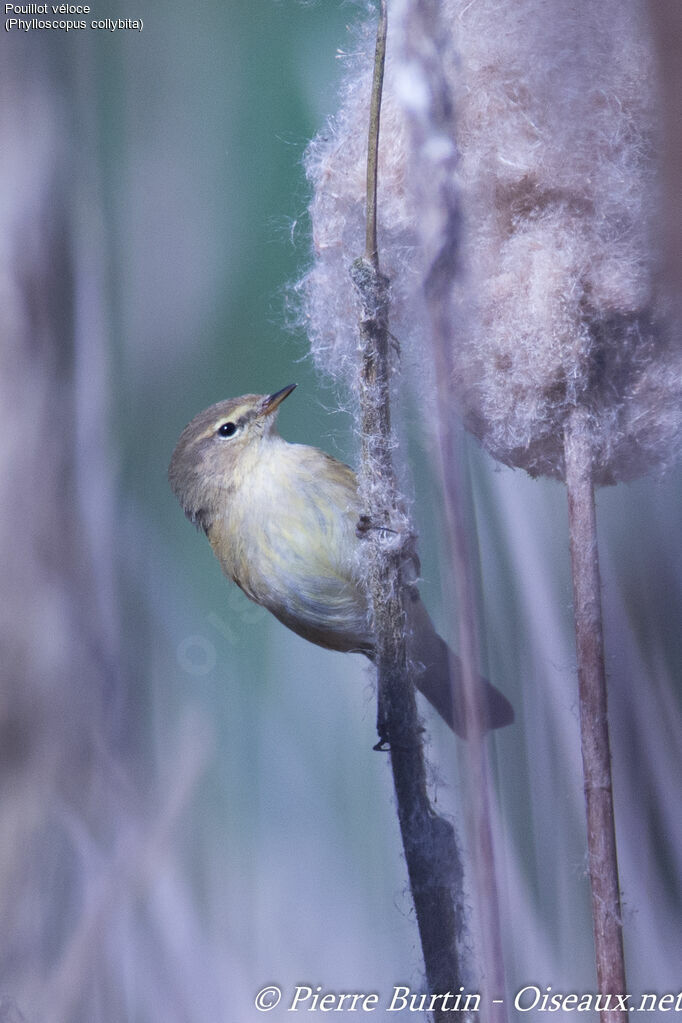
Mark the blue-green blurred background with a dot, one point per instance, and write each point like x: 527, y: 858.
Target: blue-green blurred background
x: 211, y: 817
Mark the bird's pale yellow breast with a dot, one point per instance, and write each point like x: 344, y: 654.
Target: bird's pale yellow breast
x: 287, y: 536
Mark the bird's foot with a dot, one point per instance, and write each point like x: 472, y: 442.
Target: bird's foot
x: 388, y: 745
x: 365, y: 525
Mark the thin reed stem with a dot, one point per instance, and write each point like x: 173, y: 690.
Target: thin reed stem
x: 453, y: 475
x: 441, y: 205
x: 371, y: 247
x: 594, y: 727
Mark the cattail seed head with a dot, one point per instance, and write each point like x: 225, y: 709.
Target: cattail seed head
x: 544, y: 131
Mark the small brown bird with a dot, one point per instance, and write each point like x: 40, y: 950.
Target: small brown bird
x: 281, y: 519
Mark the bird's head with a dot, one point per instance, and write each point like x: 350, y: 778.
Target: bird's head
x: 216, y: 449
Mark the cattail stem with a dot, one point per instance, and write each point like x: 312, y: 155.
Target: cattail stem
x: 429, y: 842
x: 594, y: 728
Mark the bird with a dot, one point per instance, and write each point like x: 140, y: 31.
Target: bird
x: 282, y: 520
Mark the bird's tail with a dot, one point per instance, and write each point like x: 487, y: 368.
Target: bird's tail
x: 439, y: 678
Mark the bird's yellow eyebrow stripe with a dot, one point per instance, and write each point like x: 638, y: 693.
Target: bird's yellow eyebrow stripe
x: 233, y: 417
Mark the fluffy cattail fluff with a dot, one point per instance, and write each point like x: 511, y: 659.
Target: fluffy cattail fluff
x: 551, y: 151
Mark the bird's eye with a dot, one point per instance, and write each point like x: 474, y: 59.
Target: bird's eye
x: 227, y: 429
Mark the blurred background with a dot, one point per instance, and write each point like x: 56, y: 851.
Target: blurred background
x: 191, y: 807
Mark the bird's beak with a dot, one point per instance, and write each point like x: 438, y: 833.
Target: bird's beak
x: 273, y: 401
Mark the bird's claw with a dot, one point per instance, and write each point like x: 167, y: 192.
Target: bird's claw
x: 387, y: 745
x: 365, y: 525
